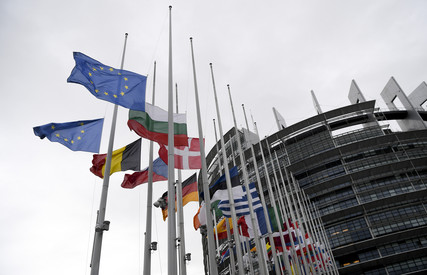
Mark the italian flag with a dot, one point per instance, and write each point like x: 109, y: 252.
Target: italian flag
x: 153, y: 125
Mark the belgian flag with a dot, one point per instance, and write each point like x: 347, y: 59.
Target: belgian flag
x: 126, y: 158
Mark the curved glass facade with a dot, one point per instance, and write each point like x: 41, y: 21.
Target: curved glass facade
x: 368, y: 183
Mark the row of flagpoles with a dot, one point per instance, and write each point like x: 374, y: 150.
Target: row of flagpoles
x: 306, y: 252
x: 295, y: 208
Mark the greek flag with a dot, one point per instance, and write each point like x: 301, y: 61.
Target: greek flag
x: 241, y: 204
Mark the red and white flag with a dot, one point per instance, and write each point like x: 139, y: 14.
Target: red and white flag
x: 186, y: 157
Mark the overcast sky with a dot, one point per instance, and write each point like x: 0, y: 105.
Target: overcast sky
x: 271, y: 53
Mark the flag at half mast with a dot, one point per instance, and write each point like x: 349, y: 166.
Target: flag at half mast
x: 160, y: 173
x: 82, y: 135
x: 117, y: 86
x: 186, y: 157
x: 153, y: 125
x: 218, y: 191
x: 126, y: 158
x: 189, y: 193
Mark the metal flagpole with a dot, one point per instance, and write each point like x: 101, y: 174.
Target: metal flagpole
x: 291, y: 211
x: 180, y: 213
x: 247, y: 251
x: 216, y: 232
x: 315, y: 236
x: 301, y: 227
x: 254, y: 219
x: 205, y: 183
x: 230, y: 246
x: 228, y: 182
x: 229, y: 236
x: 327, y: 244
x: 264, y: 205
x: 282, y: 207
x: 103, y: 225
x: 232, y: 150
x: 299, y: 219
x: 272, y: 201
x: 217, y: 149
x: 307, y: 222
x: 296, y: 187
x: 147, y: 244
x: 171, y: 164
x: 290, y: 194
x: 286, y: 220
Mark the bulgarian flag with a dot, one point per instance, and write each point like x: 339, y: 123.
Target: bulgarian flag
x: 153, y: 125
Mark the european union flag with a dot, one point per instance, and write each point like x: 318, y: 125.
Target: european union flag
x: 120, y: 87
x: 83, y: 135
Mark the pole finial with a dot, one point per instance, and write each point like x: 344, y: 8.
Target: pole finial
x: 228, y: 85
x: 191, y: 38
x: 126, y: 34
x: 170, y: 7
x: 243, y: 105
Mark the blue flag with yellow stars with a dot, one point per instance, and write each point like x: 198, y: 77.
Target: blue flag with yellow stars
x: 83, y: 135
x: 120, y: 87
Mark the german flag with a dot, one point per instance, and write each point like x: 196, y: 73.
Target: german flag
x: 189, y: 193
x: 189, y: 190
x: 126, y: 158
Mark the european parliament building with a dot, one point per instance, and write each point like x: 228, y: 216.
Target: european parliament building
x: 368, y: 182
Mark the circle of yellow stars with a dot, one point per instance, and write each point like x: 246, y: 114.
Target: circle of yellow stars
x: 67, y: 139
x: 111, y: 70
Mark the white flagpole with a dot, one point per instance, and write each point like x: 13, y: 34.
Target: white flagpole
x: 247, y: 251
x: 229, y: 237
x: 327, y: 244
x: 301, y: 227
x: 180, y: 213
x: 217, y: 149
x: 103, y: 225
x: 230, y: 246
x: 254, y: 219
x: 228, y: 182
x: 307, y: 222
x: 216, y: 232
x: 272, y: 200
x: 171, y: 165
x: 264, y: 205
x: 315, y: 236
x: 324, y: 241
x: 298, y: 217
x: 291, y: 212
x: 286, y: 220
x: 147, y: 244
x: 290, y: 183
x: 232, y: 150
x: 282, y: 209
x: 205, y: 183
